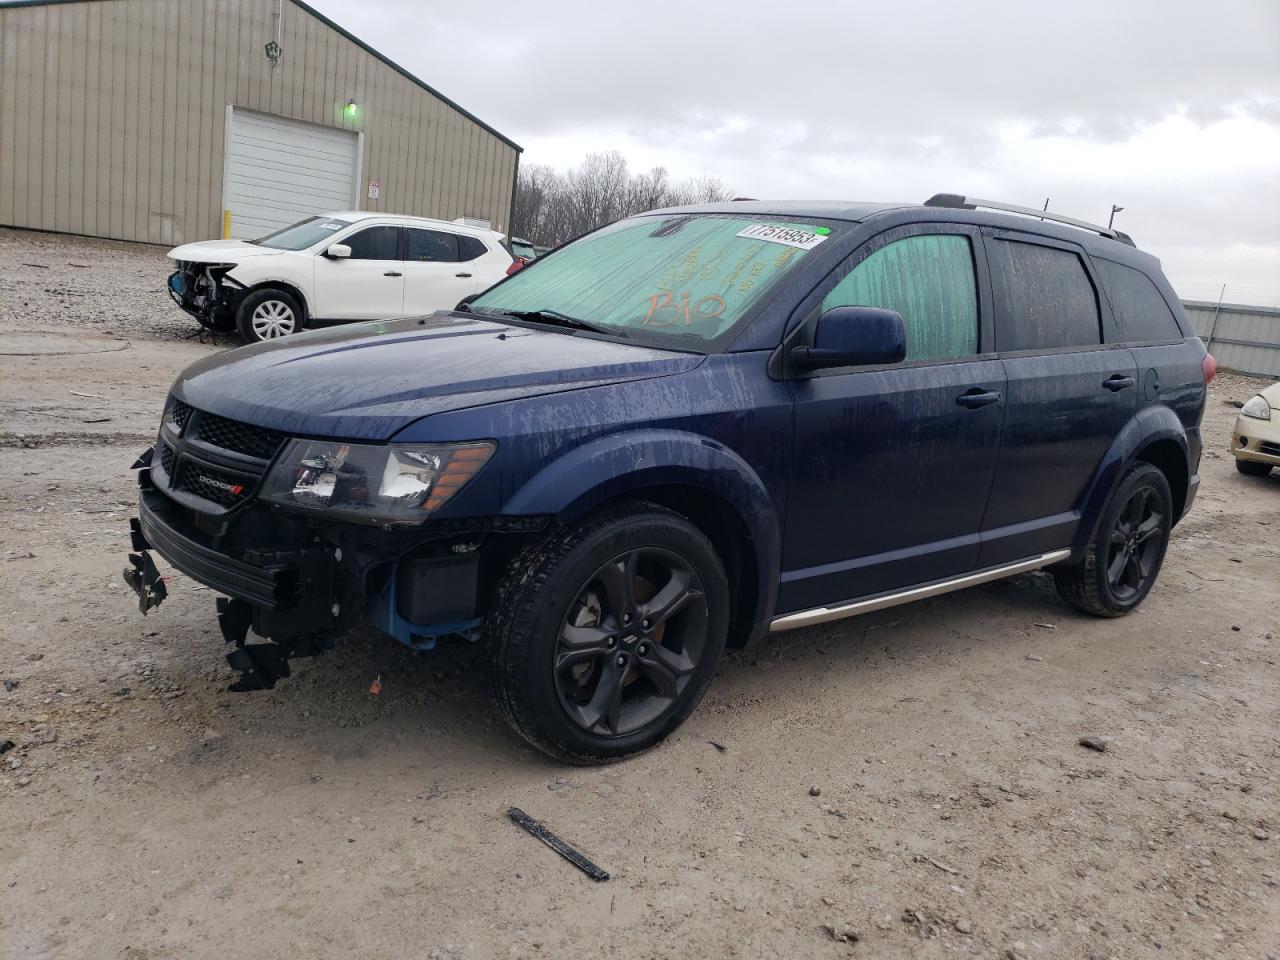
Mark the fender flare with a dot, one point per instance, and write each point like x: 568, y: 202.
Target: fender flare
x: 1149, y: 425
x: 629, y: 463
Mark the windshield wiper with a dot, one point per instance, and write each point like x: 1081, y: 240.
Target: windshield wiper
x: 545, y: 315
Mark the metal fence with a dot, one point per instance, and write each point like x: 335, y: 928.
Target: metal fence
x: 1240, y: 337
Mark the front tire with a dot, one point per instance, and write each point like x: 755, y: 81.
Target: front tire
x: 605, y: 636
x: 1124, y: 556
x: 268, y: 314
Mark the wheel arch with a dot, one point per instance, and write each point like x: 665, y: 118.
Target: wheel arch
x: 696, y: 477
x: 1171, y: 460
x: 724, y: 526
x: 1154, y: 435
x: 284, y: 285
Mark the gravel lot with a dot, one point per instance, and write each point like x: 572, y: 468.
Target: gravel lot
x: 54, y: 282
x: 149, y: 814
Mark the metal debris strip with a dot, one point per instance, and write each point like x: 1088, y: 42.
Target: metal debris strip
x: 536, y: 829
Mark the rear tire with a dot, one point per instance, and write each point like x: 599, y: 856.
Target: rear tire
x: 1124, y: 556
x: 268, y: 314
x: 1251, y: 468
x: 605, y: 636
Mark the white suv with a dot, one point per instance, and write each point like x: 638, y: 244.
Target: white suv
x: 333, y: 269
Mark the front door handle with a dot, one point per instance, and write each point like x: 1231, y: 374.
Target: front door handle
x: 1118, y: 381
x: 393, y: 273
x: 462, y: 275
x: 978, y: 397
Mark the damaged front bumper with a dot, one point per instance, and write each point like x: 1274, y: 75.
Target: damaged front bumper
x: 286, y: 596
x: 300, y: 581
x: 206, y: 292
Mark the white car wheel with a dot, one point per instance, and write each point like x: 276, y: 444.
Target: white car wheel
x: 273, y: 318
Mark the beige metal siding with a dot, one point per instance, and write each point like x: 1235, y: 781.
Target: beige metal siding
x: 118, y: 117
x: 1240, y: 337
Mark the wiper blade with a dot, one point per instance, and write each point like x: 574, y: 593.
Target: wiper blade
x: 564, y: 320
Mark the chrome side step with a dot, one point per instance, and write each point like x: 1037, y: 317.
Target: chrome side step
x: 806, y: 618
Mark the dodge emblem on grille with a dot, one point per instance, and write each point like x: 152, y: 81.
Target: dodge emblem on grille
x: 235, y: 489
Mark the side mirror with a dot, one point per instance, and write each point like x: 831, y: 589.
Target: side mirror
x: 338, y: 251
x: 854, y: 336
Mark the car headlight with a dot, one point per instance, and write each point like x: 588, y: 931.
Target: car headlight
x: 1258, y: 408
x: 397, y: 483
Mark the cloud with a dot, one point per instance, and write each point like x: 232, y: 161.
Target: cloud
x: 1170, y: 108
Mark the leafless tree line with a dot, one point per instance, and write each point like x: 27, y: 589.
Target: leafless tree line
x: 553, y: 207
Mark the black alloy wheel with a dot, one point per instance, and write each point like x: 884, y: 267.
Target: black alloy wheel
x: 604, y: 636
x: 1126, y: 549
x: 1137, y: 541
x: 631, y: 641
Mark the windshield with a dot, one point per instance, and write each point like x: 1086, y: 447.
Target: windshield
x: 303, y: 234
x: 693, y: 276
x: 522, y: 249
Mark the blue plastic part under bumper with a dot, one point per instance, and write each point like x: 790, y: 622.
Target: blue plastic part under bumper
x: 416, y: 636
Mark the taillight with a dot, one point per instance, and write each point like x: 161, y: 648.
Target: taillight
x: 516, y: 264
x: 1209, y: 367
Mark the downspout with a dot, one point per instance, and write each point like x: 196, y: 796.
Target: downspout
x: 511, y: 210
x: 275, y: 64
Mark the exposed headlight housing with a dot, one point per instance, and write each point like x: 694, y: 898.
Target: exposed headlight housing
x: 1258, y: 408
x: 395, y: 483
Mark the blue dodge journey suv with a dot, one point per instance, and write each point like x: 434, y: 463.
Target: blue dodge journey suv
x: 680, y: 432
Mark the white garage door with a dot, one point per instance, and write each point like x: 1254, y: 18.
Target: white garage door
x: 279, y: 171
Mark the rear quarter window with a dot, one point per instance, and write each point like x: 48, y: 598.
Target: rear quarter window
x: 470, y: 248
x: 1048, y: 299
x: 1141, y: 311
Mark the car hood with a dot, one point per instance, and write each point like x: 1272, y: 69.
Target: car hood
x: 371, y: 380
x: 219, y: 251
x: 1272, y: 395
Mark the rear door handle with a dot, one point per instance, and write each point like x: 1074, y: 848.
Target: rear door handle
x: 1118, y: 381
x: 978, y: 397
x: 462, y: 274
x: 393, y: 273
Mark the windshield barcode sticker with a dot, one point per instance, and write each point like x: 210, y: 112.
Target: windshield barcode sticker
x: 791, y: 237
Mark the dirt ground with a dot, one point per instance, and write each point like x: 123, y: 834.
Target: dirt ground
x: 147, y: 813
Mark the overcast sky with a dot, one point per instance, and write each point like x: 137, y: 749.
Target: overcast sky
x: 1169, y: 108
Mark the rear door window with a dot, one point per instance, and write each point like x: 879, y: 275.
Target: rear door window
x: 1047, y: 297
x: 432, y: 246
x: 376, y: 243
x: 929, y: 280
x: 1141, y: 312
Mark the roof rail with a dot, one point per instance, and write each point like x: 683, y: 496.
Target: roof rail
x: 958, y: 202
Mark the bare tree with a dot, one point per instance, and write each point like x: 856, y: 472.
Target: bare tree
x: 552, y: 208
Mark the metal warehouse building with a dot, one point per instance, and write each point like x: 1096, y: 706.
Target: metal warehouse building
x: 147, y: 119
